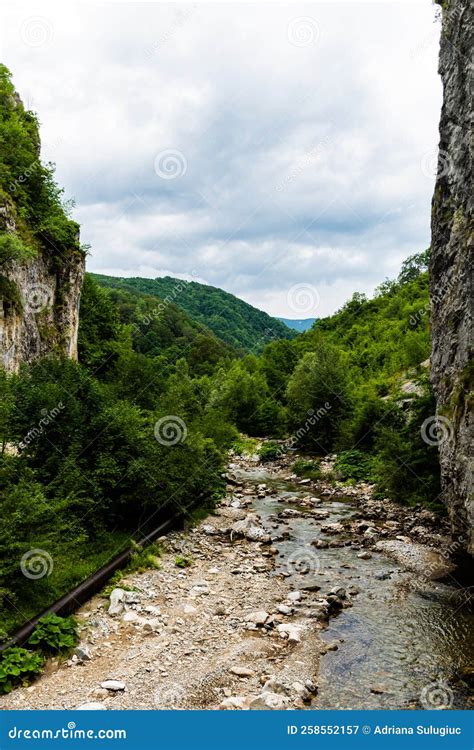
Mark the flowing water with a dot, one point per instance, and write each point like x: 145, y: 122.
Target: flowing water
x: 406, y: 642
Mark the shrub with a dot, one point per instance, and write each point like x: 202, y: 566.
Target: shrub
x: 269, y: 452
x: 18, y: 666
x: 54, y: 634
x: 354, y: 464
x: 307, y: 469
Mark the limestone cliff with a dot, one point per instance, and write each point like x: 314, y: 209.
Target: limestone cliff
x: 451, y: 269
x: 41, y: 261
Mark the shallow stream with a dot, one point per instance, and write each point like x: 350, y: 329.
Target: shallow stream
x: 405, y: 642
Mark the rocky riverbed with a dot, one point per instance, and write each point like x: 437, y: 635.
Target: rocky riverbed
x: 297, y: 594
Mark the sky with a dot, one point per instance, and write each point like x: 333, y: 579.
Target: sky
x: 283, y: 152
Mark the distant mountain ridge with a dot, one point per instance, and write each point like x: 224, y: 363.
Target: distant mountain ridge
x: 298, y: 325
x: 234, y: 321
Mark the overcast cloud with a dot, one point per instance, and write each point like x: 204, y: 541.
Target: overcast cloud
x: 255, y: 147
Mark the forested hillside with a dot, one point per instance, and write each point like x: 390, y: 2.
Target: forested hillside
x: 95, y: 451
x: 230, y: 318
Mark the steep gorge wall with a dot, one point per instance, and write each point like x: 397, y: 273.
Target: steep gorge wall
x: 451, y: 269
x: 39, y: 304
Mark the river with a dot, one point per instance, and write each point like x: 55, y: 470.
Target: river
x: 405, y: 643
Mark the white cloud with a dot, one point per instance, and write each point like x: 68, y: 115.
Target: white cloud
x: 303, y: 161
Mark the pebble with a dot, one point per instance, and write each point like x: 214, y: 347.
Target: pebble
x: 113, y: 685
x: 242, y: 671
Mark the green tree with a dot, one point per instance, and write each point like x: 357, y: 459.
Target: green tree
x: 319, y: 397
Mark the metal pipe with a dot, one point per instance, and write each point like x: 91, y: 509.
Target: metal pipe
x: 71, y: 602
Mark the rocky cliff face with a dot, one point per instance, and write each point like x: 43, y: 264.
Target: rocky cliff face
x: 451, y: 274
x: 39, y: 304
x: 41, y: 260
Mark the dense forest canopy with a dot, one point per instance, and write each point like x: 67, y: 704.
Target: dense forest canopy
x: 237, y: 323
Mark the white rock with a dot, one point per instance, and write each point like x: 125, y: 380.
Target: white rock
x: 266, y: 701
x: 294, y: 596
x: 258, y: 618
x: 113, y: 685
x: 292, y: 632
x: 242, y: 671
x: 116, y: 605
x: 130, y: 616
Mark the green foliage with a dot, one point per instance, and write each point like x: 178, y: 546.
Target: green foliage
x: 17, y: 667
x: 319, y: 397
x: 27, y: 186
x: 10, y: 295
x: 231, y: 319
x: 12, y: 248
x: 354, y: 464
x: 308, y: 469
x: 381, y: 336
x: 405, y: 467
x: 244, y: 446
x: 183, y: 562
x: 269, y: 451
x: 54, y: 634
